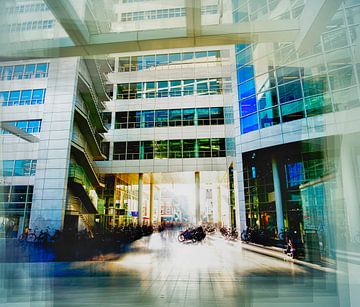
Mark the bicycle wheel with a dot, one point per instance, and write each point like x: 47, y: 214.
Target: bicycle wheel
x: 181, y: 238
x: 31, y: 237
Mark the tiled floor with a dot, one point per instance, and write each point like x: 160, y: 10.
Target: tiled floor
x: 159, y: 271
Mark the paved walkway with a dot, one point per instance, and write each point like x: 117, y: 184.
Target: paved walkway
x: 160, y: 271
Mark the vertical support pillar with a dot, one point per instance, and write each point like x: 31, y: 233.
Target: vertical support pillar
x: 197, y: 197
x: 151, y: 214
x: 219, y: 215
x: 159, y: 207
x: 278, y: 196
x: 140, y: 198
x: 350, y: 186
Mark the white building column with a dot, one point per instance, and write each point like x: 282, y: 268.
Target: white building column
x: 350, y: 185
x: 278, y: 196
x: 151, y: 213
x: 140, y: 198
x: 197, y: 197
x: 219, y: 213
x: 50, y: 187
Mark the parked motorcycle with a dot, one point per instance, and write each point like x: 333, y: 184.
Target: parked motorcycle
x: 192, y: 234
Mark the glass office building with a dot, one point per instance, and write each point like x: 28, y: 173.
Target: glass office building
x: 295, y: 128
x: 185, y: 88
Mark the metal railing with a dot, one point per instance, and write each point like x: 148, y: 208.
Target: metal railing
x: 82, y: 107
x: 171, y: 93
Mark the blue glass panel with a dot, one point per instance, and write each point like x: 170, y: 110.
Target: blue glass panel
x: 269, y: 117
x: 149, y: 61
x: 14, y: 98
x: 248, y: 106
x: 202, y: 86
x: 163, y: 89
x: 161, y: 117
x: 174, y: 57
x: 29, y: 71
x: 4, y: 96
x: 147, y: 119
x: 7, y: 72
x: 8, y: 166
x: 34, y: 126
x: 247, y: 89
x: 25, y: 97
x: 37, y: 96
x: 290, y: 91
x: 189, y: 87
x: 243, y: 57
x: 249, y: 123
x: 41, y: 70
x: 187, y: 56
x: 267, y: 99
x: 245, y: 73
x: 240, y: 47
x: 162, y: 59
x: 201, y: 54
x: 295, y: 174
x: 18, y: 72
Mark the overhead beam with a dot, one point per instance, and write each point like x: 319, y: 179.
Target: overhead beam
x: 223, y: 34
x: 193, y: 17
x: 66, y: 15
x: 19, y: 133
x: 313, y: 20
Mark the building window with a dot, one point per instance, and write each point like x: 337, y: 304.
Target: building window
x: 173, y: 88
x: 106, y: 117
x: 24, y: 97
x: 28, y: 71
x: 139, y: 62
x: 28, y: 126
x: 19, y: 167
x: 170, y: 149
x: 172, y: 118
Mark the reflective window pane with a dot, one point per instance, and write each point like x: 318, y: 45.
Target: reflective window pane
x: 292, y: 111
x: 161, y: 118
x: 269, y: 117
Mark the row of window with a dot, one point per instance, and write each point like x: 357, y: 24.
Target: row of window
x: 135, y: 63
x: 153, y: 14
x: 19, y: 167
x: 27, y: 8
x: 18, y: 72
x: 24, y: 97
x: 16, y: 193
x: 174, y: 88
x: 170, y: 149
x: 165, y: 13
x: 29, y: 26
x: 29, y: 126
x: 172, y: 118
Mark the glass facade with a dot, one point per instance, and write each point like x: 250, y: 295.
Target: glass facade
x: 15, y: 202
x: 19, y: 167
x: 167, y: 60
x: 169, y: 118
x: 307, y: 177
x: 169, y: 149
x: 29, y: 126
x: 282, y: 85
x: 28, y: 71
x: 158, y: 89
x: 23, y: 97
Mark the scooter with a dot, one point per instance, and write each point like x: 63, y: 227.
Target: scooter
x: 192, y: 234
